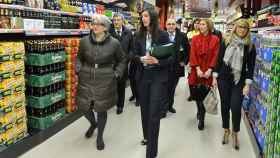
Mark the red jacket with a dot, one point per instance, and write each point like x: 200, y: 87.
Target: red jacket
x: 204, y: 53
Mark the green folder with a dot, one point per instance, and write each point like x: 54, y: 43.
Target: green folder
x: 163, y: 51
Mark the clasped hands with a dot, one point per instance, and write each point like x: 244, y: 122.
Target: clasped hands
x: 148, y: 59
x: 206, y: 74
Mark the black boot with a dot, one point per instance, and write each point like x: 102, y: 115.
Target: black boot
x: 201, y: 116
x: 90, y: 131
x: 200, y: 124
x: 101, y: 122
x: 89, y: 115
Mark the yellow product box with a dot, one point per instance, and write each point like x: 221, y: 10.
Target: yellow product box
x: 19, y: 86
x: 18, y: 67
x: 6, y: 48
x: 21, y: 116
x: 7, y: 66
x: 6, y: 103
x: 7, y: 84
x: 1, y: 138
x: 19, y: 101
x: 9, y: 120
x: 18, y: 48
x: 21, y: 130
x: 10, y: 136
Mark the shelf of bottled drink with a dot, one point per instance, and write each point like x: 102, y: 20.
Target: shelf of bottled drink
x: 46, y: 32
x: 20, y: 7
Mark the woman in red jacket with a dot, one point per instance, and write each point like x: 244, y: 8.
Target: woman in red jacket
x: 204, y: 52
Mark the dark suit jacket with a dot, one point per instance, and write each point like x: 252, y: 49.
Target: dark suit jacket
x: 126, y: 40
x: 140, y: 50
x: 182, y: 55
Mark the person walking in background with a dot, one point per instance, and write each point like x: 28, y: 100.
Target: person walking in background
x: 193, y: 32
x: 177, y: 68
x: 234, y: 72
x: 151, y: 77
x: 101, y: 62
x: 204, y: 53
x: 125, y: 37
x: 195, y: 29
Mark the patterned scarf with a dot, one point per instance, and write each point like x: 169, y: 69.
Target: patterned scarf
x: 234, y: 57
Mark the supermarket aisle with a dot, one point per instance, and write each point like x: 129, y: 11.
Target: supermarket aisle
x: 179, y: 137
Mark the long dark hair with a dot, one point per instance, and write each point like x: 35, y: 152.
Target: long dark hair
x: 154, y: 24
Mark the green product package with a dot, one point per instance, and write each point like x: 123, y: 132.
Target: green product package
x: 45, y: 80
x: 45, y: 101
x: 45, y: 59
x: 45, y: 122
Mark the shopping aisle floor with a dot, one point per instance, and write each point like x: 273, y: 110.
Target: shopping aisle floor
x: 179, y: 136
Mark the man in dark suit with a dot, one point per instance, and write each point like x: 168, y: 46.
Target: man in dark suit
x: 177, y: 68
x: 124, y: 35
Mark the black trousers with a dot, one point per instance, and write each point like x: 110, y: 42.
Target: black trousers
x: 133, y: 86
x: 121, y: 93
x: 172, y: 84
x: 231, y: 100
x: 151, y: 98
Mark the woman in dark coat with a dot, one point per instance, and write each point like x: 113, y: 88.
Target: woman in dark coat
x: 204, y: 53
x: 102, y: 62
x: 234, y: 71
x: 152, y: 77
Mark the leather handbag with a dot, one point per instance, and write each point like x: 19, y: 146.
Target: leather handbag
x: 211, y: 102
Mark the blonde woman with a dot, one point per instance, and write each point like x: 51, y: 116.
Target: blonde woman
x: 234, y: 72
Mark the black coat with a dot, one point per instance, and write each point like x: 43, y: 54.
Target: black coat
x: 140, y: 50
x: 99, y: 84
x: 182, y: 53
x: 126, y: 40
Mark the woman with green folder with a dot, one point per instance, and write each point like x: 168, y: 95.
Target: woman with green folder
x: 151, y: 78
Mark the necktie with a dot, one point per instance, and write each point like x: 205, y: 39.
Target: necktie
x: 119, y: 33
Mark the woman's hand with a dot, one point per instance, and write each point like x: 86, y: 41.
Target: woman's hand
x: 246, y: 90
x: 214, y: 82
x: 199, y: 72
x: 208, y: 73
x: 150, y: 60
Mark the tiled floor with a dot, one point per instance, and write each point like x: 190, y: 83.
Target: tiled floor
x: 179, y: 136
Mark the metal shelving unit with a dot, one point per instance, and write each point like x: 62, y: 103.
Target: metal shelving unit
x: 46, y: 32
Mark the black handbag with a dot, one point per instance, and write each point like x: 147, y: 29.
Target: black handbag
x: 199, y: 92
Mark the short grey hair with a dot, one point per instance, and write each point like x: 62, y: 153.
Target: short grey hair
x: 102, y: 19
x: 117, y: 14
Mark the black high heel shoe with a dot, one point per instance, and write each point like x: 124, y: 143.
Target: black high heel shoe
x: 226, y: 137
x: 235, y: 141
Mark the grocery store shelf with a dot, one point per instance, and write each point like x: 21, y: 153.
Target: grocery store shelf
x: 271, y: 28
x: 4, y: 31
x: 20, y: 7
x: 47, y: 32
x: 249, y: 129
x: 37, y: 137
x: 56, y: 32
